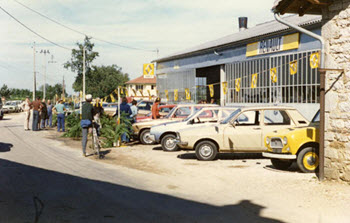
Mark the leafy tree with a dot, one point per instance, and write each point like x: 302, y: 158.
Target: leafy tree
x: 5, y: 91
x: 51, y: 91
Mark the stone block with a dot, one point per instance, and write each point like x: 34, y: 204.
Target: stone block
x: 331, y: 101
x: 331, y: 173
x: 346, y: 174
x: 344, y: 106
x: 336, y: 145
x: 331, y: 153
x: 329, y: 136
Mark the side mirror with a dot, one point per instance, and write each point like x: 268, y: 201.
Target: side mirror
x: 191, y: 122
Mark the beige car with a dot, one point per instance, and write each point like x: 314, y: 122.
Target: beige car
x: 243, y: 131
x: 141, y: 130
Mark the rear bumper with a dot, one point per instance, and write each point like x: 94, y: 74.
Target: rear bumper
x: 279, y: 156
x: 180, y: 143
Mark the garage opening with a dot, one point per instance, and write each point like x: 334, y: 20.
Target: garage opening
x: 204, y: 77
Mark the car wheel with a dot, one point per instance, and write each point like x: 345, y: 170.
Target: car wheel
x: 308, y: 160
x: 281, y: 164
x: 168, y: 143
x: 1, y: 117
x: 206, y: 150
x: 145, y: 137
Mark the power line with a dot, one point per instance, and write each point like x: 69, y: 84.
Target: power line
x: 56, y: 44
x: 77, y: 31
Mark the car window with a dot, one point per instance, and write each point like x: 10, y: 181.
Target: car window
x: 165, y: 109
x: 182, y: 112
x: 316, y: 118
x: 248, y: 118
x: 145, y: 105
x: 276, y: 117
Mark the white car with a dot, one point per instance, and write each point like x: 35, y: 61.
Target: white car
x: 166, y: 133
x: 11, y: 106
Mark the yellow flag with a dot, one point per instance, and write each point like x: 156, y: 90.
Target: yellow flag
x: 188, y: 94
x: 176, y: 94
x: 238, y: 84
x: 126, y: 92
x: 314, y: 60
x: 116, y: 91
x: 224, y: 87
x: 121, y: 91
x: 254, y: 80
x: 167, y: 94
x: 141, y: 92
x: 149, y: 94
x: 112, y: 98
x: 157, y: 93
x: 211, y: 90
x: 273, y: 74
x: 133, y: 90
x: 105, y: 98
x: 293, y: 67
x: 81, y: 94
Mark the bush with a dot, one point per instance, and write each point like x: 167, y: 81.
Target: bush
x: 73, y: 128
x: 111, y: 131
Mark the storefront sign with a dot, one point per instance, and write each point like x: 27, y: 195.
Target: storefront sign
x: 272, y: 45
x: 148, y: 70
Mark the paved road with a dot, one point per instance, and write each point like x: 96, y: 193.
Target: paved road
x: 42, y: 181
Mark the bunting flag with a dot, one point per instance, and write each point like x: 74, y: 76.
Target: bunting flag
x: 134, y: 92
x: 81, y: 94
x: 116, y: 91
x: 126, y: 92
x: 293, y: 67
x: 157, y: 93
x: 166, y: 94
x: 224, y: 87
x: 176, y: 94
x: 314, y: 60
x: 238, y: 84
x: 121, y: 91
x: 149, y: 94
x: 273, y: 74
x: 211, y: 90
x: 105, y: 99
x: 254, y: 80
x: 141, y: 92
x: 112, y: 97
x: 188, y: 94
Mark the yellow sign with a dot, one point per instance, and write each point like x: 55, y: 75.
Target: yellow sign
x: 176, y: 94
x: 148, y: 70
x: 211, y: 90
x: 314, y: 60
x: 224, y: 87
x: 293, y: 67
x: 272, y: 45
x: 238, y: 84
x: 112, y: 98
x: 254, y: 80
x: 273, y: 74
x: 166, y: 94
x: 188, y: 94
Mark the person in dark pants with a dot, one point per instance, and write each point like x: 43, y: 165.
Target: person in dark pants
x: 125, y: 108
x: 43, y: 114
x: 36, y: 109
x: 59, y: 108
x: 49, y: 114
x: 87, y: 114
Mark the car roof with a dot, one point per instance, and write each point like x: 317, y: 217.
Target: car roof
x: 198, y: 105
x: 272, y: 107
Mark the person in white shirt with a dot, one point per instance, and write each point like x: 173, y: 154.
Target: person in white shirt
x: 134, y: 111
x: 26, y: 106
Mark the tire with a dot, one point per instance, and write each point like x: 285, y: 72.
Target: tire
x: 144, y: 137
x: 206, y: 150
x: 308, y: 159
x: 168, y: 144
x: 1, y: 117
x: 281, y: 164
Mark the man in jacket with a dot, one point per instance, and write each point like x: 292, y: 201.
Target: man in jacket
x: 125, y: 108
x: 36, y: 109
x: 87, y: 114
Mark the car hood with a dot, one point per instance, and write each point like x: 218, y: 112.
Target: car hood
x: 153, y: 122
x: 207, y: 129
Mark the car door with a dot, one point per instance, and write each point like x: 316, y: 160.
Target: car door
x: 275, y: 120
x: 245, y: 134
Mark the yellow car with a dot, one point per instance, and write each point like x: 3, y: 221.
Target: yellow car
x: 298, y: 144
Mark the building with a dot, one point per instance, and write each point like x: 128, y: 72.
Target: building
x: 238, y: 56
x: 336, y: 35
x: 142, y: 87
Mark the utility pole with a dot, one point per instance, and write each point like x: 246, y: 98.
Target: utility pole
x: 45, y: 52
x: 63, y: 89
x: 51, y: 61
x: 83, y: 72
x: 34, y: 74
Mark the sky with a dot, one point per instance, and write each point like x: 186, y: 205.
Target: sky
x: 167, y: 25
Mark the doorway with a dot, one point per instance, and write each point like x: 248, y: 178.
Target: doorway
x: 204, y: 77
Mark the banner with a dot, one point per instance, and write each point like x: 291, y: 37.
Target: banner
x: 293, y: 67
x: 314, y: 60
x: 211, y: 90
x: 254, y: 80
x: 176, y: 94
x: 166, y: 94
x: 112, y: 97
x: 188, y: 94
x: 224, y: 87
x: 273, y: 74
x: 238, y: 84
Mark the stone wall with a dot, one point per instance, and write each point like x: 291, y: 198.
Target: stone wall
x: 336, y: 31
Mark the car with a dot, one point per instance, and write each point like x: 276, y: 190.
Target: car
x: 243, y: 131
x: 1, y: 110
x: 141, y: 130
x: 110, y: 108
x: 145, y: 106
x: 165, y: 134
x: 298, y: 144
x: 11, y: 106
x: 163, y: 111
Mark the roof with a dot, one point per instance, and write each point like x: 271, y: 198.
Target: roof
x: 142, y: 80
x: 260, y: 30
x: 300, y: 7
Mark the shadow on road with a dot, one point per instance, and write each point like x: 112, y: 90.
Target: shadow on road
x: 5, y: 147
x: 226, y: 156
x: 31, y: 194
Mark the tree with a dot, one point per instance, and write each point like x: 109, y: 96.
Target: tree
x: 5, y: 91
x: 76, y: 62
x: 51, y: 91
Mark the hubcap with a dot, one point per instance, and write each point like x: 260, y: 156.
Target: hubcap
x: 206, y: 150
x: 147, y: 138
x: 170, y: 143
x: 310, y: 160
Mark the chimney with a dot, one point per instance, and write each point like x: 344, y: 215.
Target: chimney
x: 243, y: 23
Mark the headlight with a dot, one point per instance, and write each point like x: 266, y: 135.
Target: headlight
x: 267, y: 140
x: 285, y: 140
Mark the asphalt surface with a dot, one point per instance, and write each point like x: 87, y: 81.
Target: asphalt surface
x: 42, y: 181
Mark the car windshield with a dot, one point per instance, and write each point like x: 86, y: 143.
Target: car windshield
x: 233, y: 114
x: 170, y: 113
x: 8, y: 103
x: 192, y: 116
x: 316, y: 118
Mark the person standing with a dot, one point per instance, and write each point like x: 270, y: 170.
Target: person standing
x: 43, y: 114
x: 36, y: 109
x: 86, y: 120
x: 59, y: 108
x: 155, y: 109
x: 98, y: 111
x: 125, y: 108
x: 134, y: 111
x: 26, y: 106
x: 49, y: 114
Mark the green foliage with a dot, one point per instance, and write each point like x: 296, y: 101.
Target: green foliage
x: 54, y: 119
x: 73, y: 128
x: 4, y: 91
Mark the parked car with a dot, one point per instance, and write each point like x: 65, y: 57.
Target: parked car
x: 110, y: 109
x: 243, y: 131
x: 1, y: 110
x: 298, y: 144
x: 141, y: 130
x: 11, y: 106
x: 163, y: 111
x: 165, y: 134
x: 145, y: 106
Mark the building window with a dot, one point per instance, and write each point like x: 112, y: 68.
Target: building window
x: 139, y: 87
x: 152, y: 87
